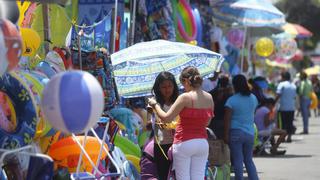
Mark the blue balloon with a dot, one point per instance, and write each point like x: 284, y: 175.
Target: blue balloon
x: 197, y: 16
x: 46, y: 68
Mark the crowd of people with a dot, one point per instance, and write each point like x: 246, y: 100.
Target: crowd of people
x: 239, y: 110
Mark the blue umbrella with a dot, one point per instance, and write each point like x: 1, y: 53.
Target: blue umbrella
x: 136, y: 67
x: 249, y: 13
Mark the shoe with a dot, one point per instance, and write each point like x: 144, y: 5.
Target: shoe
x: 276, y: 152
x: 289, y: 140
x: 304, y: 132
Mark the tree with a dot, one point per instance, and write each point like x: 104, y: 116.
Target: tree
x: 305, y: 13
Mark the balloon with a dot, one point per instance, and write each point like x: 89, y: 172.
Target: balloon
x: 31, y: 41
x: 45, y: 68
x: 56, y: 61
x: 286, y: 47
x: 264, y: 47
x: 66, y: 152
x: 186, y: 22
x: 298, y: 56
x: 236, y: 37
x: 72, y: 101
x: 12, y: 41
x: 9, y: 10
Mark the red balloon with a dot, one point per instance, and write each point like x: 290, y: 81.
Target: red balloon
x: 13, y: 42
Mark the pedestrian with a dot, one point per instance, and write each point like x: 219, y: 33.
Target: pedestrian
x: 166, y: 91
x: 239, y: 132
x: 286, y: 94
x: 190, y: 145
x: 220, y: 94
x: 305, y: 89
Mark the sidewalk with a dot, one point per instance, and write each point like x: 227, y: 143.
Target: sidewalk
x: 302, y: 159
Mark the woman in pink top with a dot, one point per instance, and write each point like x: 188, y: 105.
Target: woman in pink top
x: 195, y: 108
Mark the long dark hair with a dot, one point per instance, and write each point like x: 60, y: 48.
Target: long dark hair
x: 240, y: 85
x: 165, y: 76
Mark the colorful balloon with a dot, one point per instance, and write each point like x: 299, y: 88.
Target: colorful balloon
x: 236, y: 37
x: 72, y: 101
x: 286, y: 47
x: 55, y: 60
x: 185, y: 21
x: 264, y: 47
x: 31, y: 41
x: 66, y: 152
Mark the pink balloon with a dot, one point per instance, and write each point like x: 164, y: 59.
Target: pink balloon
x: 236, y: 37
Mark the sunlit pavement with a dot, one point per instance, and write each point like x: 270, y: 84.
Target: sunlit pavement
x: 302, y: 159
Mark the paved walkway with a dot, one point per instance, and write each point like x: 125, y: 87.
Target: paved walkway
x: 302, y: 160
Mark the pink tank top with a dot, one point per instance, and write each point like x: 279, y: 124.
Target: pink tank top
x: 192, y: 124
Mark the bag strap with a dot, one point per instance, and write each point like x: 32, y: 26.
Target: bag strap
x: 213, y: 136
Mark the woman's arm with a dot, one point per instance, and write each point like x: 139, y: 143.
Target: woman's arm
x: 212, y: 107
x: 174, y: 110
x: 227, y: 121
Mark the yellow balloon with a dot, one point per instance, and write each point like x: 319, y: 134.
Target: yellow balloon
x: 194, y: 42
x: 30, y: 41
x: 264, y: 47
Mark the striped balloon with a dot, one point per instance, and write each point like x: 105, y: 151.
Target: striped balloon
x: 72, y: 101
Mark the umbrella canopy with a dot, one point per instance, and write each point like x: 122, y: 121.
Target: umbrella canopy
x: 249, y: 13
x: 136, y: 67
x: 315, y: 70
x: 297, y: 30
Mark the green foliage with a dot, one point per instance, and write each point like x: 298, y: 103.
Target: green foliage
x: 305, y: 13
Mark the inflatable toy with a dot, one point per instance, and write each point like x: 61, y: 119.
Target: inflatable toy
x: 286, y: 47
x: 9, y: 10
x: 36, y: 87
x: 185, y: 21
x: 8, y: 118
x: 264, y: 47
x: 46, y: 68
x: 56, y: 62
x: 11, y: 39
x: 25, y: 110
x: 65, y: 152
x: 236, y: 37
x: 72, y: 101
x: 143, y: 137
x: 30, y: 41
x: 197, y: 17
x: 126, y: 146
x: 46, y: 142
x: 65, y: 55
x: 135, y: 161
x: 314, y: 101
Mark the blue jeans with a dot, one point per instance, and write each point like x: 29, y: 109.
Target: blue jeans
x: 304, y: 106
x: 241, y: 147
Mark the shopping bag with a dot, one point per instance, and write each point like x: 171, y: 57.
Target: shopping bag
x: 219, y: 153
